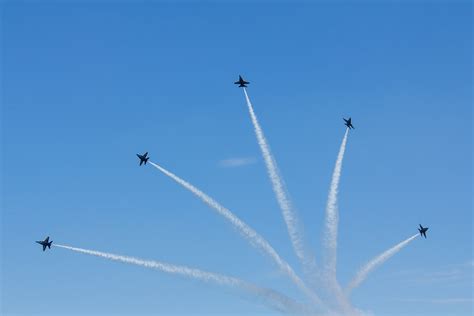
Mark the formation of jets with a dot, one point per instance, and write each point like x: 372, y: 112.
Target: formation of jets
x: 144, y: 159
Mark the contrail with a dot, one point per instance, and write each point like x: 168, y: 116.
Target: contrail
x: 362, y: 274
x: 332, y: 215
x: 276, y: 299
x: 246, y: 231
x: 331, y: 230
x: 289, y: 215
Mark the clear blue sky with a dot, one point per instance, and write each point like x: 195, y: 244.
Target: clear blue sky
x: 85, y: 86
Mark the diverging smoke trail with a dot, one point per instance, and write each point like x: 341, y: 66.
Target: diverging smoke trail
x: 332, y: 215
x: 362, y: 274
x: 291, y: 220
x: 330, y: 233
x: 246, y: 231
x: 275, y: 299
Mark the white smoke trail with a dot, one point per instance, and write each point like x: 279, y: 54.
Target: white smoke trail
x: 276, y: 299
x: 362, y: 274
x: 289, y: 215
x: 332, y: 215
x: 331, y: 231
x: 246, y: 231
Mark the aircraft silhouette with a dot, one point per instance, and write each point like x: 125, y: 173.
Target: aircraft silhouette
x: 348, y: 123
x: 422, y: 230
x: 242, y: 83
x: 45, y: 243
x: 143, y: 158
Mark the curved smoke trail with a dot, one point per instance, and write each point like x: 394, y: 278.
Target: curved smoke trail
x: 289, y: 215
x: 332, y: 214
x: 276, y: 299
x: 362, y: 274
x: 249, y: 233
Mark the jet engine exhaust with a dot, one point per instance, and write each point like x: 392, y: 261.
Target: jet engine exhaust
x: 246, y: 231
x: 273, y: 298
x: 332, y: 214
x: 289, y: 215
x: 363, y: 273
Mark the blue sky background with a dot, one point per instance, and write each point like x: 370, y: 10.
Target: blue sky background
x: 87, y: 85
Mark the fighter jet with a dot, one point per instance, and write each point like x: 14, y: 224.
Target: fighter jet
x: 45, y: 243
x: 422, y: 230
x: 143, y: 158
x: 242, y: 83
x: 348, y: 123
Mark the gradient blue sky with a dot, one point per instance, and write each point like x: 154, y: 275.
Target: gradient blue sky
x: 87, y: 85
